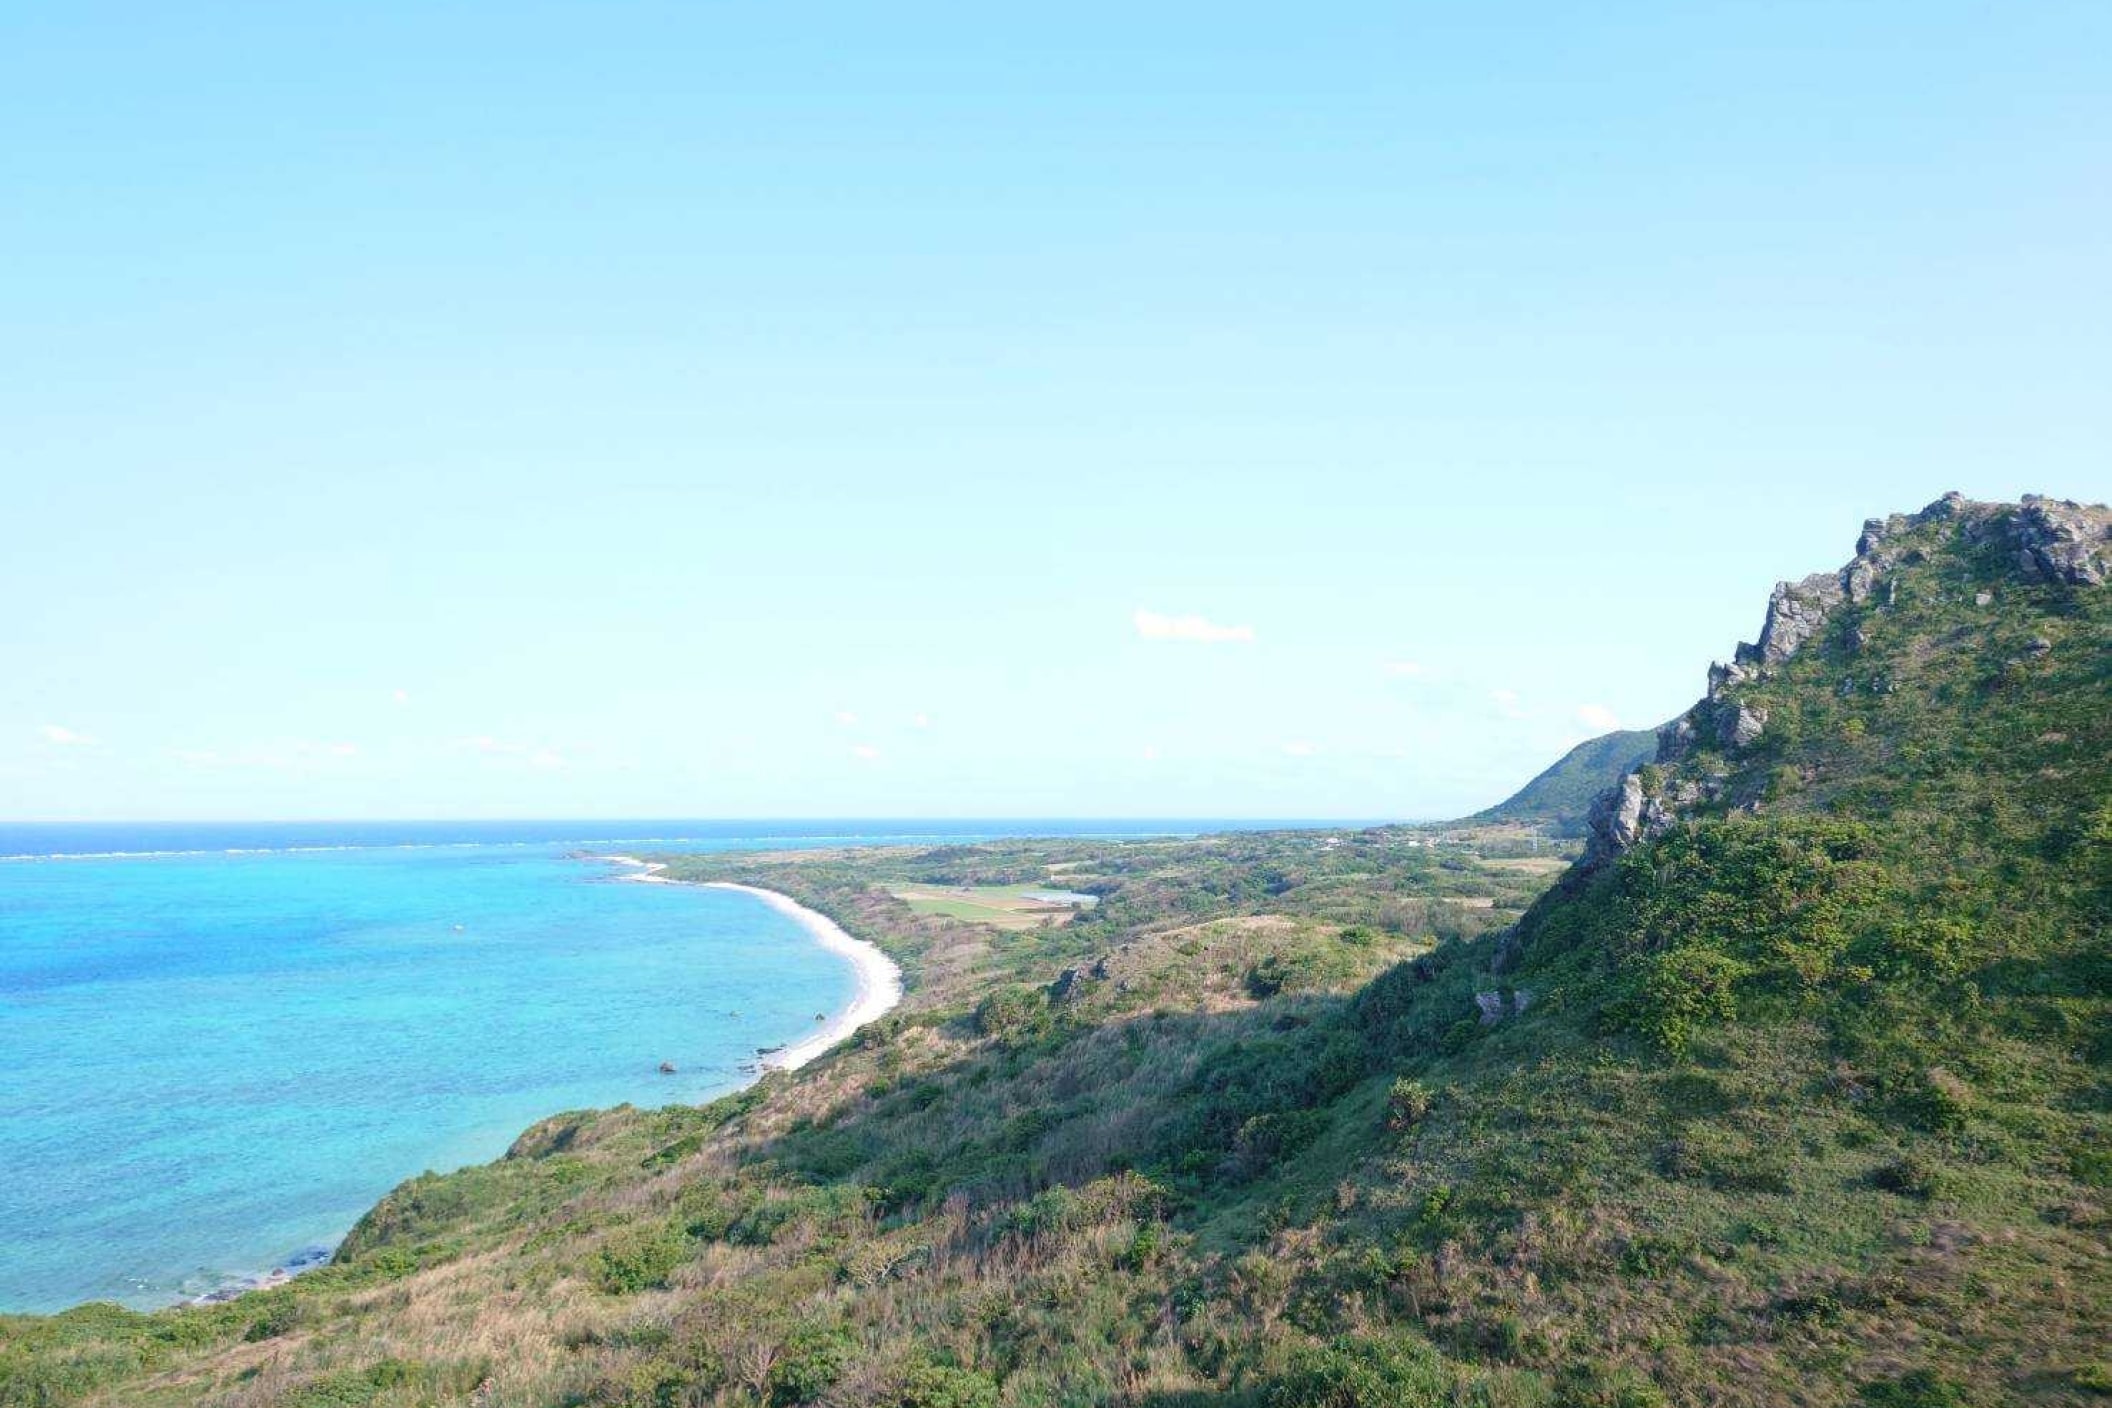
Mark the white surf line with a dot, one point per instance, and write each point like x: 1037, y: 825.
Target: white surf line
x: 879, y: 978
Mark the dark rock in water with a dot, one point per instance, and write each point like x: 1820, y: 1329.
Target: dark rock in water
x: 769, y: 1050
x: 667, y: 1068
x: 821, y: 1016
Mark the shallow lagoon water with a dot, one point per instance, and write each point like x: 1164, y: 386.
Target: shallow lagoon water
x: 215, y: 1057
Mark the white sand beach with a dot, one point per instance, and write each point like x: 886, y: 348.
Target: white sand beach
x: 879, y: 979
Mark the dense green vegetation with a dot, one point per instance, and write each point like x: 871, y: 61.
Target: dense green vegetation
x: 1801, y: 1098
x: 1560, y: 795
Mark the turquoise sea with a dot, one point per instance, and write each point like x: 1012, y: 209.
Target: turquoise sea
x: 220, y: 1044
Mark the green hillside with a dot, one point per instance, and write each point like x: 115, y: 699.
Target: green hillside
x: 1792, y: 1091
x: 1561, y: 795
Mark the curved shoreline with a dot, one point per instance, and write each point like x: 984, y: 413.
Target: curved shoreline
x: 879, y: 978
x: 879, y: 992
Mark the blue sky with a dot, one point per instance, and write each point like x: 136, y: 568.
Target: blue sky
x: 712, y: 410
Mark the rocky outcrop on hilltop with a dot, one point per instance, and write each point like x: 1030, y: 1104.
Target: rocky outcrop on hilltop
x: 2037, y: 542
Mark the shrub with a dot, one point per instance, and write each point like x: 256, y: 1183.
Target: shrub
x: 2094, y: 1378
x: 1408, y: 1102
x: 929, y: 1385
x: 1143, y: 1248
x: 638, y: 1262
x: 1911, y: 1175
x: 354, y: 1388
x: 1014, y: 1016
x: 808, y: 1365
x: 1917, y: 1388
x: 279, y: 1314
x: 1677, y: 994
x: 1651, y: 1256
x: 1362, y: 1372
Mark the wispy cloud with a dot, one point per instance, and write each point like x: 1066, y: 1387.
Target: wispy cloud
x: 1506, y: 702
x: 284, y: 757
x: 66, y: 737
x: 542, y: 756
x: 865, y: 752
x: 846, y: 718
x: 1405, y: 669
x: 401, y: 696
x: 1153, y: 625
x: 1599, y: 717
x: 1300, y: 748
x: 920, y: 721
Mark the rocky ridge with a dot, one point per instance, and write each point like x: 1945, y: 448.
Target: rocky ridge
x: 2044, y: 541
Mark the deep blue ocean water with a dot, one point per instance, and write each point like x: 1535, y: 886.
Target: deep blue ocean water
x: 219, y: 1044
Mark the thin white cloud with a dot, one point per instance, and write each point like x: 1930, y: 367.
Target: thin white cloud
x: 1599, y: 717
x: 1405, y: 669
x: 1153, y: 625
x: 846, y: 718
x: 1300, y: 748
x: 285, y: 757
x: 1506, y: 702
x: 66, y: 737
x: 1150, y: 754
x: 401, y: 696
x: 920, y: 721
x: 502, y: 751
x: 865, y: 752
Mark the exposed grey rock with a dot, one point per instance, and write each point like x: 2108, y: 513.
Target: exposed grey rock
x: 2059, y: 540
x: 1795, y: 612
x: 1723, y: 677
x: 1620, y: 817
x: 1521, y: 998
x: 2039, y: 646
x: 1736, y: 728
x: 1983, y: 598
x: 1618, y: 814
x: 1491, y: 1005
x: 1069, y: 985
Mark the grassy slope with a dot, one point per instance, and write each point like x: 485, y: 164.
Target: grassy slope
x: 1806, y: 1103
x: 1561, y: 794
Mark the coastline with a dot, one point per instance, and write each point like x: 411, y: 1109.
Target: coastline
x: 878, y: 977
x: 879, y: 991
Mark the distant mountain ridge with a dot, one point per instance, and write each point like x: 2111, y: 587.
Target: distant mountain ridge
x: 1560, y: 797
